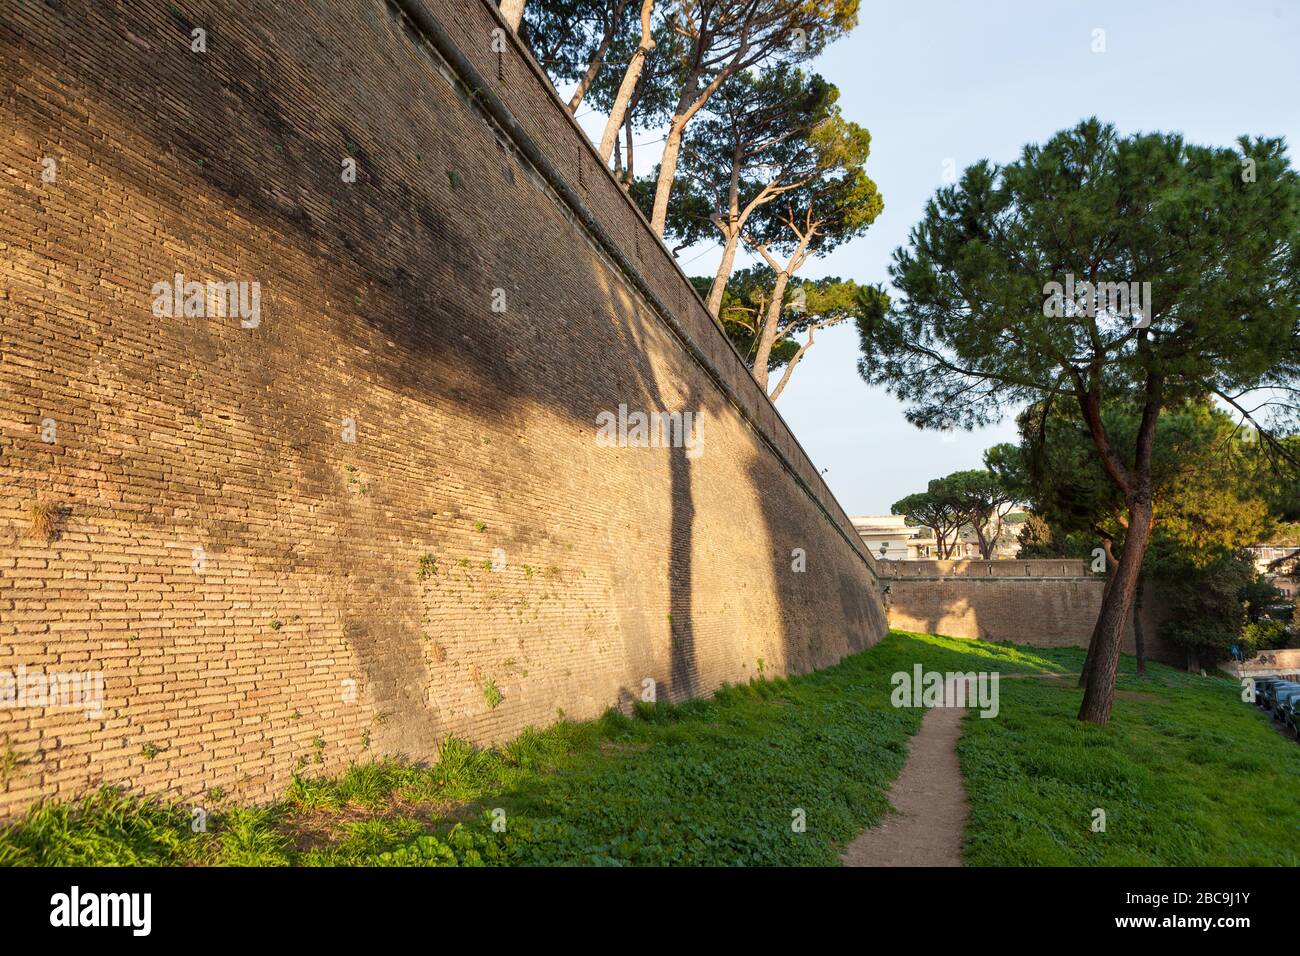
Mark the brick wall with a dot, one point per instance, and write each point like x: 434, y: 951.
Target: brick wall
x: 1045, y: 602
x: 261, y: 593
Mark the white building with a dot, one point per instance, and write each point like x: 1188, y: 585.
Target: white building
x: 891, y: 538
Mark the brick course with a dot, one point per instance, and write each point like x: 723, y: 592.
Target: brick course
x: 1044, y: 602
x: 303, y: 634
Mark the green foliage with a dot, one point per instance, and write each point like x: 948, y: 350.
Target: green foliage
x: 1209, y: 484
x: 983, y: 500
x: 1258, y: 596
x: 1041, y: 539
x: 566, y: 35
x: 822, y: 302
x: 1263, y: 635
x: 933, y: 509
x: 1205, y: 610
x: 492, y: 694
x: 971, y: 498
x: 427, y: 567
x: 968, y: 338
x: 1186, y: 773
x: 1188, y: 776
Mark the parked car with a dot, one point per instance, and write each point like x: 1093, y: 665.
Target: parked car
x: 1272, y: 691
x: 1288, y: 701
x: 1262, y: 684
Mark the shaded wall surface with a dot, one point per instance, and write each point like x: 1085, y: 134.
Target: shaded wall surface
x: 375, y: 512
x: 1043, y: 602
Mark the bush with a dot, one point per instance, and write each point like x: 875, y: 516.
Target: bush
x: 1263, y: 635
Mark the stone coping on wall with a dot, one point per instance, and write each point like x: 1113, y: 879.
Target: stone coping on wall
x: 541, y: 127
x: 1036, y: 569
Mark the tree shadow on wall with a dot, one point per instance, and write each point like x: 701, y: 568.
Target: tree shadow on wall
x: 395, y: 272
x: 832, y: 607
x: 684, y: 667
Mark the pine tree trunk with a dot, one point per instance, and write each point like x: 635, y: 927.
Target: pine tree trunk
x: 630, y: 174
x: 598, y: 59
x: 1099, y: 695
x: 1092, y: 641
x: 667, y: 173
x: 630, y: 77
x: 1139, y: 636
x: 767, y: 337
x: 724, y: 271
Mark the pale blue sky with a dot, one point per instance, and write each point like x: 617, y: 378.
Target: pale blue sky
x: 974, y: 79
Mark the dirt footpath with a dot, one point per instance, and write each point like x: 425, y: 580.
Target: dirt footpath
x: 930, y: 799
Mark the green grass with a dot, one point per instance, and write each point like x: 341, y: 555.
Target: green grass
x: 1191, y: 776
x: 1187, y: 774
x: 707, y: 782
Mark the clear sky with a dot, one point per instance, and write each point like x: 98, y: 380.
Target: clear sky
x: 974, y: 79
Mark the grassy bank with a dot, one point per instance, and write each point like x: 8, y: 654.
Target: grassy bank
x: 1186, y: 774
x: 708, y: 782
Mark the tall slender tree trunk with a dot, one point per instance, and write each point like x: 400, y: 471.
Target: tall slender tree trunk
x: 630, y: 174
x: 1111, y: 564
x: 598, y: 58
x: 667, y: 173
x: 732, y: 237
x: 767, y: 338
x: 1099, y: 695
x: 772, y: 322
x: 630, y: 77
x: 512, y: 11
x: 790, y: 366
x: 1135, y: 482
x: 689, y: 103
x: 1139, y: 635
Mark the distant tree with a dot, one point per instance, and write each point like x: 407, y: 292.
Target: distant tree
x: 839, y: 203
x: 935, y: 509
x: 984, y: 500
x: 721, y: 39
x: 1039, y: 538
x: 984, y: 319
x: 759, y: 138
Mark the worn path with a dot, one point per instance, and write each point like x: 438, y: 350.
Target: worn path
x: 930, y: 800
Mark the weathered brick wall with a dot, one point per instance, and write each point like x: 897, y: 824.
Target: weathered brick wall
x: 304, y: 632
x: 1044, y: 602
